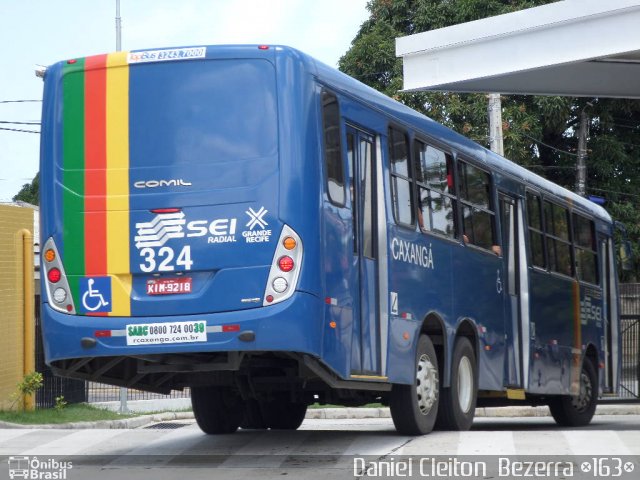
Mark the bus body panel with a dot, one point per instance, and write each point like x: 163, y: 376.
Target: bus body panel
x: 277, y: 328
x: 254, y: 174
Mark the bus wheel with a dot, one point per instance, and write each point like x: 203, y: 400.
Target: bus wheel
x: 414, y: 407
x: 217, y: 409
x: 570, y: 411
x: 458, y: 402
x: 282, y: 414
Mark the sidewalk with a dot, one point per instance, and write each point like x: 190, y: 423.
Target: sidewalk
x: 162, y: 405
x: 182, y: 404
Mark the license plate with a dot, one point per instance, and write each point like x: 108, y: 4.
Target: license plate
x: 168, y: 286
x: 167, y: 332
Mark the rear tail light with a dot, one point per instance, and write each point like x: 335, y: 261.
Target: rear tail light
x: 54, y: 275
x: 285, y: 268
x: 286, y: 263
x: 56, y: 284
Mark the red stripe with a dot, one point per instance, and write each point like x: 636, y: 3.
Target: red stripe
x: 95, y: 116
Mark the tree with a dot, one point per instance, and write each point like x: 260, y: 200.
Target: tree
x: 540, y: 132
x: 29, y: 192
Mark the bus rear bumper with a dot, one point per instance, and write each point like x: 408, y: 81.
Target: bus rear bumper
x: 292, y: 326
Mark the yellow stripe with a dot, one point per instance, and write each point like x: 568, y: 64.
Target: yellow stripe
x: 118, y: 182
x: 370, y: 377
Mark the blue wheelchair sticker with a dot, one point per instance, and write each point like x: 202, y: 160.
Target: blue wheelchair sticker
x: 95, y: 294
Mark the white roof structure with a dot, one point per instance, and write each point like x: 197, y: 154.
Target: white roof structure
x: 587, y: 48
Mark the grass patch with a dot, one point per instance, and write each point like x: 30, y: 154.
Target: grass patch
x: 80, y: 412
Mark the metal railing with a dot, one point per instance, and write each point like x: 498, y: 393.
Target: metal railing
x: 630, y: 333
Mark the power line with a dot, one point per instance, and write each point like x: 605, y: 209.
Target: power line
x: 613, y: 191
x: 19, y: 130
x: 19, y: 101
x: 20, y: 123
x: 548, y: 146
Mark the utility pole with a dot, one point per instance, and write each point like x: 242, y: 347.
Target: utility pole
x: 581, y: 165
x: 118, y: 27
x: 495, y: 123
x: 124, y: 392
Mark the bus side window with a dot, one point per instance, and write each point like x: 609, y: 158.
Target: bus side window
x: 401, y: 177
x: 556, y: 219
x: 436, y: 194
x: 536, y: 232
x: 333, y: 148
x: 586, y: 253
x: 478, y: 216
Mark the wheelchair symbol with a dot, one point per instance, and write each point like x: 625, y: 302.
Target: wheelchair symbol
x: 93, y: 300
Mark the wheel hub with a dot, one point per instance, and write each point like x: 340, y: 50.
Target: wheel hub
x: 426, y: 384
x: 583, y: 399
x: 465, y: 384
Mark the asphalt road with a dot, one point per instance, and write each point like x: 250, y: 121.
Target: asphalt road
x: 320, y: 449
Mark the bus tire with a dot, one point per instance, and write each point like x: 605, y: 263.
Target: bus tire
x: 458, y: 402
x: 414, y: 407
x: 217, y: 409
x: 283, y: 414
x: 569, y: 411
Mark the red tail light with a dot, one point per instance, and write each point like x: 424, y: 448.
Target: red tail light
x: 285, y: 263
x: 54, y: 275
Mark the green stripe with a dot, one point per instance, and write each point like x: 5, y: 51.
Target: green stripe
x: 73, y: 175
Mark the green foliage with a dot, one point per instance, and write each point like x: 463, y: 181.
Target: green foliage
x: 29, y: 191
x: 72, y: 413
x: 29, y: 384
x: 61, y: 403
x: 540, y: 133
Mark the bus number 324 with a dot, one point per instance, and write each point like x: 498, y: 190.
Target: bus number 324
x: 162, y: 259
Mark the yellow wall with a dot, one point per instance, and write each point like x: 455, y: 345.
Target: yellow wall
x: 12, y: 220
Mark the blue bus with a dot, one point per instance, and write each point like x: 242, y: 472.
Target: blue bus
x: 267, y: 231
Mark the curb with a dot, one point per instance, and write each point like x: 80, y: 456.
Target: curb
x: 484, y: 412
x: 348, y: 413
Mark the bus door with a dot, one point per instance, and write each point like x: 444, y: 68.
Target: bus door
x: 610, y: 312
x: 365, y: 356
x: 512, y: 225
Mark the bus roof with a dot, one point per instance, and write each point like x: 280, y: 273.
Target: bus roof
x: 419, y: 122
x: 410, y: 118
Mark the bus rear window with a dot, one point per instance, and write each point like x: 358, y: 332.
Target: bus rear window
x: 202, y: 112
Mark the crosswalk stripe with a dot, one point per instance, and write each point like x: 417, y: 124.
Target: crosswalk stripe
x: 9, y: 434
x: 475, y: 443
x: 74, y: 443
x: 18, y: 444
x: 581, y: 443
x: 540, y: 442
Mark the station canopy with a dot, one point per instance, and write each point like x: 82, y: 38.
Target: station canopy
x: 582, y: 48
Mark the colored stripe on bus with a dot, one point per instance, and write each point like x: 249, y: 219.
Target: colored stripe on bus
x: 96, y: 175
x: 117, y: 147
x: 95, y: 225
x: 73, y: 176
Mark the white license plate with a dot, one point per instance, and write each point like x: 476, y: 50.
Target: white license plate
x: 167, y: 332
x: 169, y: 286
